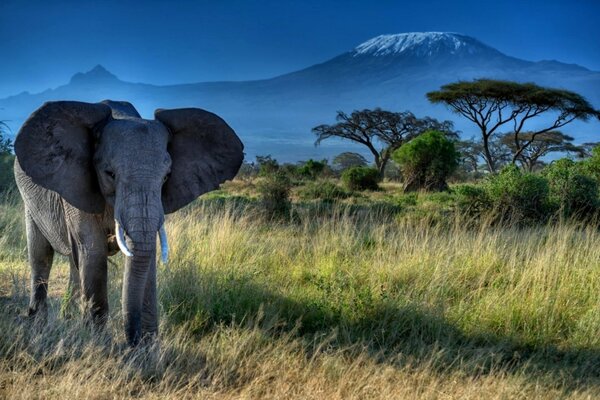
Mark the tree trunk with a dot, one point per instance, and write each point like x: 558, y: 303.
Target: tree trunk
x: 487, y: 155
x: 381, y: 167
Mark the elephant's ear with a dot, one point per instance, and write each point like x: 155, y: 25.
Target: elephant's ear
x: 55, y: 149
x: 205, y: 152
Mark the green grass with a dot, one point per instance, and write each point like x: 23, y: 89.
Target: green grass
x: 346, y: 300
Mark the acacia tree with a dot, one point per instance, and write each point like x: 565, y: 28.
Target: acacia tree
x: 540, y: 145
x: 382, y: 132
x: 347, y: 160
x: 472, y: 152
x: 494, y: 104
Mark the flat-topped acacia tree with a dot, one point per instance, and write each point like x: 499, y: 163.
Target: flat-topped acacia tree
x: 495, y: 104
x: 543, y: 144
x: 381, y: 131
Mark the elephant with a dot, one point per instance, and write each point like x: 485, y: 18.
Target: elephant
x: 96, y: 178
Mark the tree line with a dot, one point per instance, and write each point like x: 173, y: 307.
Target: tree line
x: 502, y: 112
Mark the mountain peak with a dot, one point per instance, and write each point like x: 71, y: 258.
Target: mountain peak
x: 98, y: 74
x: 421, y: 44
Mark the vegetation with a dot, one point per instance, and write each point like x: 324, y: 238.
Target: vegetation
x: 312, y: 169
x: 519, y: 196
x: 293, y: 282
x: 274, y: 193
x: 361, y: 178
x: 348, y: 159
x: 571, y: 190
x: 326, y: 191
x: 335, y: 305
x: 492, y: 105
x: 7, y: 159
x: 379, y: 127
x: 427, y: 161
x: 540, y: 145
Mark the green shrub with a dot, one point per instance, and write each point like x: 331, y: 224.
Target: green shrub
x: 472, y: 199
x: 7, y: 178
x: 591, y: 165
x: 361, y: 178
x: 519, y: 196
x: 408, y: 200
x: 323, y: 190
x: 427, y: 161
x: 311, y: 169
x: 571, y: 191
x: 274, y: 191
x: 267, y: 165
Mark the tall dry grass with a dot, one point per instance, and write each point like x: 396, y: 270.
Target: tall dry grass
x: 336, y: 304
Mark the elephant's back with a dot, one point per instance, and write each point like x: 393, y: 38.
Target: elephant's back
x: 46, y: 209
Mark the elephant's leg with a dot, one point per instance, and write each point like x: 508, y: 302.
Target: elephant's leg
x: 89, y: 253
x: 93, y: 272
x: 150, y: 306
x: 40, y: 254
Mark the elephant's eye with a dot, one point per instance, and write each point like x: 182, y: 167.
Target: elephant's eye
x: 166, y: 178
x: 110, y: 174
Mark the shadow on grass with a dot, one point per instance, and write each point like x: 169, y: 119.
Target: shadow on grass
x: 391, y: 333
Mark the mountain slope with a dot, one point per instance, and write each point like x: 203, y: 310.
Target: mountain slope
x: 275, y: 115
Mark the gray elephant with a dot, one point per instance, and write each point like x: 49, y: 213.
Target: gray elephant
x: 94, y: 174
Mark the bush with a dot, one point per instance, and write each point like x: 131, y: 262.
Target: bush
x: 323, y: 190
x: 427, y: 161
x: 519, y: 196
x: 7, y: 177
x: 591, y: 166
x: 361, y: 178
x: 274, y: 191
x: 247, y: 171
x: 472, y: 199
x: 267, y: 165
x: 311, y: 169
x: 571, y: 191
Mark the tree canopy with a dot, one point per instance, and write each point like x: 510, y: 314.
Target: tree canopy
x: 494, y: 104
x: 382, y: 132
x: 347, y: 160
x: 541, y: 145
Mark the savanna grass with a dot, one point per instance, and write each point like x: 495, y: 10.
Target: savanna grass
x: 334, y: 303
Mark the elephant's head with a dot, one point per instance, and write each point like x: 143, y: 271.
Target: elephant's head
x: 104, y: 153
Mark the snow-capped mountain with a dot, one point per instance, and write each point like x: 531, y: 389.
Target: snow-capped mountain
x: 421, y: 44
x: 275, y: 116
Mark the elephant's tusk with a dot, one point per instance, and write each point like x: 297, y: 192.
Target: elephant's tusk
x: 121, y: 239
x: 164, y: 244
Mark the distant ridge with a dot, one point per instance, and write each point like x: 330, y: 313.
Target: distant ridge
x: 275, y: 116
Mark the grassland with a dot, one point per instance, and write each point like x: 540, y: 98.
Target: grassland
x: 352, y: 300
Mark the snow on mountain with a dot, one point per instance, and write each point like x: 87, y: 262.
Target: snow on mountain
x: 421, y: 44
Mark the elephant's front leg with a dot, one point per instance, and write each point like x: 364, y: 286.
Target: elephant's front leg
x: 40, y: 255
x: 93, y: 272
x: 89, y: 254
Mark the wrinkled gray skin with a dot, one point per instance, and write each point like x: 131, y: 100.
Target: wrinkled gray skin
x: 81, y: 166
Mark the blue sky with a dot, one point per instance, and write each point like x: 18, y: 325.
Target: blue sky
x: 44, y: 43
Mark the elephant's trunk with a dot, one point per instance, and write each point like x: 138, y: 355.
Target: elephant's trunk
x: 139, y: 306
x: 141, y: 222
